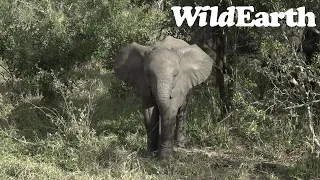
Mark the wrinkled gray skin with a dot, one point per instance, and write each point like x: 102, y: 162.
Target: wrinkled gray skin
x: 163, y: 74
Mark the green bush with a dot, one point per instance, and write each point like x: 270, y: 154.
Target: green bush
x: 55, y: 36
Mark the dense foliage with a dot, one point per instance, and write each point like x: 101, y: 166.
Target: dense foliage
x: 64, y: 115
x: 55, y: 36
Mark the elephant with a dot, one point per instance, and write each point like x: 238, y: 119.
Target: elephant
x: 163, y: 74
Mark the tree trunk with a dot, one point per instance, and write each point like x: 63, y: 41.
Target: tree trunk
x: 220, y: 51
x: 223, y: 66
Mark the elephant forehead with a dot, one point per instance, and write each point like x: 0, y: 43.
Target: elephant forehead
x: 161, y: 53
x: 163, y: 56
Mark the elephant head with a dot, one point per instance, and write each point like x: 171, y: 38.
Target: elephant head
x: 164, y: 72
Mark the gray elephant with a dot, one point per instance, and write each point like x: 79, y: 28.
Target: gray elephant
x: 163, y: 74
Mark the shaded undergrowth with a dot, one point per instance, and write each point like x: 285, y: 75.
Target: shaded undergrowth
x: 93, y: 134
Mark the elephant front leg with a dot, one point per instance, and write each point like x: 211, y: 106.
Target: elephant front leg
x: 168, y: 121
x: 180, y: 130
x: 151, y: 121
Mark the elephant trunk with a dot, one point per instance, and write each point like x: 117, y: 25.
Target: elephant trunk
x: 162, y: 95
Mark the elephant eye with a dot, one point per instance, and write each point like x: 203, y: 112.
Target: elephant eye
x: 175, y: 73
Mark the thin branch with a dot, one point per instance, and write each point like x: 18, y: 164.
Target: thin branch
x: 302, y: 105
x: 225, y: 118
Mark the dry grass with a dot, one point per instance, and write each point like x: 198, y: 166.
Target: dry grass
x: 97, y: 136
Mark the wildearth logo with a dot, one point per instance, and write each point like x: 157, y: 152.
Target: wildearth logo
x: 243, y: 16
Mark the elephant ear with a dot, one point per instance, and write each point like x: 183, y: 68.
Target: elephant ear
x: 195, y: 66
x: 129, y: 67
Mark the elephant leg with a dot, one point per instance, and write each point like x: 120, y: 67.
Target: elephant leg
x: 181, y: 124
x: 168, y: 122
x: 151, y: 121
